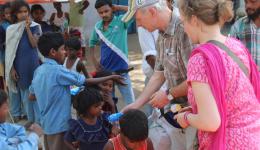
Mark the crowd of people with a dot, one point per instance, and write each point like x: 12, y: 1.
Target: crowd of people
x: 201, y: 59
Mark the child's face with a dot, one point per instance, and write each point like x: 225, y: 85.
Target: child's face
x: 3, y: 112
x: 96, y: 109
x: 106, y: 86
x: 7, y: 14
x: 59, y: 55
x: 71, y: 53
x: 38, y: 15
x: 22, y: 14
x: 130, y: 145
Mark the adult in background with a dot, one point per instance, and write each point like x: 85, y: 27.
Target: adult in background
x: 77, y: 19
x: 247, y: 29
x: 111, y: 33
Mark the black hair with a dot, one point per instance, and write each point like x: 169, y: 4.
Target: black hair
x: 134, y: 125
x: 100, y: 3
x: 37, y: 7
x: 103, y: 73
x: 73, y: 43
x: 15, y: 7
x: 48, y: 41
x: 85, y: 99
x: 1, y: 10
x: 3, y: 97
x: 6, y: 5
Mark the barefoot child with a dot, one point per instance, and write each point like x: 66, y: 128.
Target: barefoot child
x: 21, y: 56
x: 51, y: 88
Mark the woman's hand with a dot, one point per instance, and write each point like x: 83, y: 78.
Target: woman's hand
x: 180, y: 119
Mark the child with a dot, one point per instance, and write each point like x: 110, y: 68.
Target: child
x: 77, y: 34
x: 51, y: 88
x: 6, y: 8
x: 133, y: 133
x: 14, y: 136
x: 59, y: 19
x: 107, y: 89
x: 38, y: 12
x: 22, y: 56
x: 72, y: 62
x: 92, y: 130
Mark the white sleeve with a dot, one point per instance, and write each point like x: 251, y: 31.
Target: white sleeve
x: 147, y: 42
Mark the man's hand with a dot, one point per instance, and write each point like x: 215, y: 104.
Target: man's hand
x: 114, y: 8
x: 36, y: 129
x: 159, y: 99
x: 119, y: 8
x: 14, y: 74
x: 133, y: 105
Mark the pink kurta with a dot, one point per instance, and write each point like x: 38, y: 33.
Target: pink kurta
x: 243, y: 108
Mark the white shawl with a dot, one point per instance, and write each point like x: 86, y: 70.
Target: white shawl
x: 13, y: 36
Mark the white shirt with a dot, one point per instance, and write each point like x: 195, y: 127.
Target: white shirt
x: 147, y: 42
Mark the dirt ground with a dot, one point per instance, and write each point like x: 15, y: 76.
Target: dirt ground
x: 135, y: 58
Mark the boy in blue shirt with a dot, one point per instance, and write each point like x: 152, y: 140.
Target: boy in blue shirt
x: 12, y: 136
x: 51, y: 88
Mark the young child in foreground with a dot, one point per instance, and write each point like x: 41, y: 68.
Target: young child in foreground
x: 92, y: 130
x: 51, y: 88
x: 12, y: 136
x: 133, y: 133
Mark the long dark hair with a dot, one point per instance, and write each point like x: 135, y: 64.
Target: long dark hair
x: 16, y: 6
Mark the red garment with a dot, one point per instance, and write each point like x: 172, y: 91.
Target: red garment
x: 119, y: 146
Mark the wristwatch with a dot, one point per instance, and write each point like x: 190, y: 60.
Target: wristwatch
x: 169, y: 95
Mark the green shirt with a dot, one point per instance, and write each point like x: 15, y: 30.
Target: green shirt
x: 115, y: 36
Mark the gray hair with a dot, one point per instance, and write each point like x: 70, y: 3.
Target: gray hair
x: 161, y: 5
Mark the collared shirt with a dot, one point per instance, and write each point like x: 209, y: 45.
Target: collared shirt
x: 51, y: 86
x: 14, y: 137
x: 249, y: 34
x: 174, y: 48
x: 114, y: 48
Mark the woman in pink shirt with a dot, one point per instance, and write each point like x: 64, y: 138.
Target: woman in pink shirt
x: 224, y: 98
